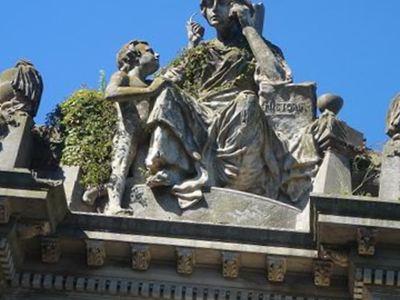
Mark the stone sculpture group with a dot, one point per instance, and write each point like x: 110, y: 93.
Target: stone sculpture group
x: 225, y: 114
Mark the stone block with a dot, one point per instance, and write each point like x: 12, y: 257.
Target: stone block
x: 141, y: 257
x: 95, y: 253
x: 230, y: 264
x: 16, y: 148
x: 389, y: 189
x: 185, y: 260
x: 276, y: 268
x: 334, y: 175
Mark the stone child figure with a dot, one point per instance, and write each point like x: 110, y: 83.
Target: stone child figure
x: 127, y: 87
x: 208, y: 128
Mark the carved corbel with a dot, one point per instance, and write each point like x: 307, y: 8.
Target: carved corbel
x: 5, y: 211
x: 230, y: 264
x: 276, y: 268
x: 141, y: 257
x: 322, y: 273
x: 185, y: 260
x: 338, y: 257
x: 95, y: 253
x: 31, y: 230
x: 366, y: 239
x: 50, y: 249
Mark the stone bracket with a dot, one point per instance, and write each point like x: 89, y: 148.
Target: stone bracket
x: 322, y: 273
x: 230, y: 264
x: 276, y: 268
x: 366, y: 239
x: 141, y: 257
x: 50, y: 250
x: 95, y: 253
x: 185, y: 260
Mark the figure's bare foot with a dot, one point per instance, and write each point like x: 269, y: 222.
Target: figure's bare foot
x: 161, y: 178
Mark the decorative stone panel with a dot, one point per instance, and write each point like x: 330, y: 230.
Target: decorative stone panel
x: 141, y: 257
x: 185, y: 260
x: 366, y: 238
x: 230, y: 264
x: 95, y: 253
x: 276, y: 268
x: 5, y: 211
x: 322, y: 273
x: 50, y: 249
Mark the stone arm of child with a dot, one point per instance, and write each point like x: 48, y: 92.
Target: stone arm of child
x: 119, y: 90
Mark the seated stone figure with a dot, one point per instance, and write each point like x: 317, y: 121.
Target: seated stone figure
x: 208, y: 128
x: 127, y: 88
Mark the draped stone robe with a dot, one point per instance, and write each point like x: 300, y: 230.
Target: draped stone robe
x: 213, y: 115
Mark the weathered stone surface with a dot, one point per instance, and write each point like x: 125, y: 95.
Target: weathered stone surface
x: 141, y: 257
x: 322, y: 273
x: 290, y: 108
x: 95, y: 253
x: 366, y: 238
x: 230, y: 264
x: 16, y: 147
x: 185, y: 260
x: 276, y: 268
x: 334, y: 175
x: 50, y: 250
x: 220, y: 206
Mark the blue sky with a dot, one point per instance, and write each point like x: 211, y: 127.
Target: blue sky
x: 349, y: 47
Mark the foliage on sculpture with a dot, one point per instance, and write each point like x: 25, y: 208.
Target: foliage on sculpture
x: 199, y: 123
x: 225, y: 113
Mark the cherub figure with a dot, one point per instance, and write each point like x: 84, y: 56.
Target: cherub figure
x: 127, y: 87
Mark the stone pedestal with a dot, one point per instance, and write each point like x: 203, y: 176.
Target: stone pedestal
x: 390, y: 180
x: 339, y: 142
x: 334, y: 176
x: 15, y: 151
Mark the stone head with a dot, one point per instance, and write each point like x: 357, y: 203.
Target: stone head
x: 138, y: 54
x: 218, y: 12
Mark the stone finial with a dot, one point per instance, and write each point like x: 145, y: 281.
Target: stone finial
x: 185, y: 260
x: 330, y: 102
x: 95, y: 253
x: 5, y: 211
x: 50, y: 249
x: 276, y: 268
x: 141, y: 257
x: 322, y: 273
x: 366, y: 239
x: 230, y: 264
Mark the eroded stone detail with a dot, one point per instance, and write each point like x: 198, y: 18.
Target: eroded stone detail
x: 338, y: 257
x: 95, y: 253
x: 50, y: 249
x: 31, y: 230
x: 366, y: 238
x: 230, y: 264
x: 185, y: 260
x: 141, y: 257
x: 276, y: 268
x: 322, y: 273
x: 5, y: 211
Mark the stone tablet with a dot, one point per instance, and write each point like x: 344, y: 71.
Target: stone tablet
x: 290, y: 108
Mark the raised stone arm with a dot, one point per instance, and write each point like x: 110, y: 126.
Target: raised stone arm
x: 118, y: 93
x: 270, y: 68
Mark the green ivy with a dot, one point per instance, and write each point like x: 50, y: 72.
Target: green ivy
x: 88, y: 123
